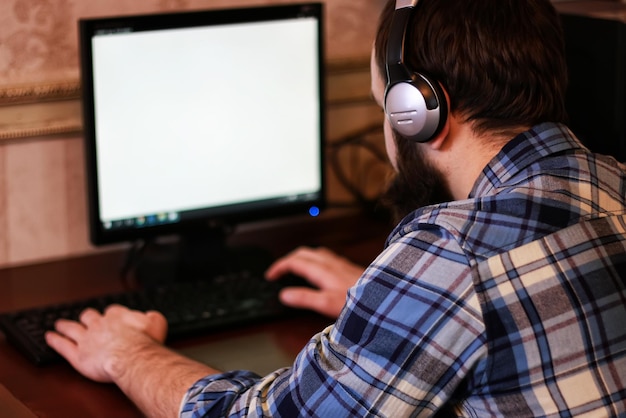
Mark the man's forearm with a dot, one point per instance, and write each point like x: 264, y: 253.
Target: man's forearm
x: 156, y: 378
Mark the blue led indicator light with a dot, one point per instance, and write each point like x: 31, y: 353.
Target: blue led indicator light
x: 314, y: 211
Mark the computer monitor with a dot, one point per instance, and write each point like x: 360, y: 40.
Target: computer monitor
x: 199, y: 119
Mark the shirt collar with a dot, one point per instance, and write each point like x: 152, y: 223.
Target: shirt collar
x: 522, y: 151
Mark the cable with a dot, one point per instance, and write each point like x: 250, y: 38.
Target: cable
x: 357, y: 140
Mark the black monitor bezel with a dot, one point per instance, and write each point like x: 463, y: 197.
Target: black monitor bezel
x: 88, y: 27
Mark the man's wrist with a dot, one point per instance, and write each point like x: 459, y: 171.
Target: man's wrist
x: 121, y: 362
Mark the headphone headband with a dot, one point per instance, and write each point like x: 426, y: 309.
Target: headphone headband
x: 396, y: 69
x: 415, y: 104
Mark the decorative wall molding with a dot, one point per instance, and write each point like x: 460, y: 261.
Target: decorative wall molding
x: 39, y: 92
x: 39, y: 110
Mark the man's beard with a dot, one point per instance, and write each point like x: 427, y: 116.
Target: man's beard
x: 417, y: 183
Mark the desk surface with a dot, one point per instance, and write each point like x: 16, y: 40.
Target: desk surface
x: 59, y: 391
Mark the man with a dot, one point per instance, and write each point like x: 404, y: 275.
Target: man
x: 501, y: 292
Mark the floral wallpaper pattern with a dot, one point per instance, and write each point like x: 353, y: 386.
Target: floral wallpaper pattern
x: 38, y: 38
x: 34, y: 38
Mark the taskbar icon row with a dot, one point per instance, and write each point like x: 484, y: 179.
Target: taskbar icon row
x: 143, y: 221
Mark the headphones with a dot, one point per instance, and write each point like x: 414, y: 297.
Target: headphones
x: 415, y: 104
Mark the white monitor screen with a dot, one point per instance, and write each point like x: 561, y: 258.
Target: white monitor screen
x: 202, y: 114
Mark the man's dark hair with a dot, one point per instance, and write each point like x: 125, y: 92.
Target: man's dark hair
x: 501, y: 61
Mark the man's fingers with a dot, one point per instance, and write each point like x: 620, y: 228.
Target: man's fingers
x: 61, y: 344
x: 300, y: 258
x: 326, y: 303
x: 69, y: 329
x: 320, y: 274
x: 88, y: 316
x: 157, y: 325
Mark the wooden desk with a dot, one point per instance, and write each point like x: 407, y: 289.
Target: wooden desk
x: 59, y: 391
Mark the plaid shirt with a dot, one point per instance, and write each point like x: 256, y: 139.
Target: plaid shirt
x: 510, y: 303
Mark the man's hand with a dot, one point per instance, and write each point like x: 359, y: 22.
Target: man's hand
x: 331, y: 274
x: 125, y: 347
x: 97, y: 342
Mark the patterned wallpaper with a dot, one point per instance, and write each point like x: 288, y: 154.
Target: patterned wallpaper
x: 38, y: 38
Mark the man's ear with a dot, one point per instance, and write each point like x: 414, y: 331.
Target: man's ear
x: 440, y: 141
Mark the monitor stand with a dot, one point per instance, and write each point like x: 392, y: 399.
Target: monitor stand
x: 194, y: 255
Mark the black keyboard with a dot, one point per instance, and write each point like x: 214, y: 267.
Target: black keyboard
x: 190, y: 308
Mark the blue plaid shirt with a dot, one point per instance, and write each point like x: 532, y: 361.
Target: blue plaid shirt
x: 510, y: 303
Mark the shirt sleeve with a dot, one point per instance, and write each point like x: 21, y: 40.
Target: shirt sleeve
x: 410, y: 332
